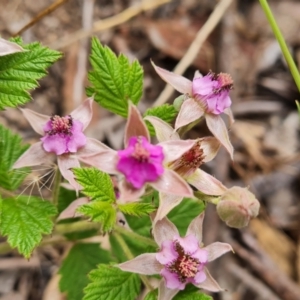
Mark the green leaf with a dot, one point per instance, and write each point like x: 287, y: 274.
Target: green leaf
x: 114, y: 79
x: 102, y: 212
x: 136, y: 209
x: 65, y: 198
x: 96, y: 184
x: 152, y: 295
x: 110, y: 283
x: 20, y: 71
x: 82, y: 259
x: 24, y: 220
x: 191, y: 293
x: 166, y: 112
x: 184, y: 213
x: 11, y: 149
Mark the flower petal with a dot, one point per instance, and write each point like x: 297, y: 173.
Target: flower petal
x: 218, y: 128
x: 217, y: 249
x: 128, y: 193
x: 210, y: 147
x: 209, y: 284
x: 171, y: 279
x: 145, y: 264
x: 229, y: 113
x: 175, y: 149
x: 178, y: 82
x: 106, y: 161
x: 92, y: 147
x: 7, y: 47
x: 189, y: 112
x: 166, y: 203
x: 164, y: 132
x: 164, y: 230
x: 84, y: 112
x: 135, y: 125
x: 171, y: 183
x: 70, y: 211
x: 195, y: 227
x: 206, y: 183
x: 164, y: 293
x: 65, y: 163
x: 37, y: 121
x: 189, y: 243
x: 167, y: 253
x: 34, y: 156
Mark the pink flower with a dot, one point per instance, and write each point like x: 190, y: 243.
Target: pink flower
x: 180, y: 260
x: 7, y: 47
x: 62, y: 137
x: 207, y: 96
x: 143, y: 163
x: 187, y: 166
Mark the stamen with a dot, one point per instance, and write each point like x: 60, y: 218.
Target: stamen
x: 140, y: 153
x: 61, y: 125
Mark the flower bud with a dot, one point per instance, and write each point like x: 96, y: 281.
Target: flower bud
x: 178, y: 102
x: 237, y: 206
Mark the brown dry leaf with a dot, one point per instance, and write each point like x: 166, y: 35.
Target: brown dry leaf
x: 278, y: 245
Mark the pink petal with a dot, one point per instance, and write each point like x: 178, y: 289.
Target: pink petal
x: 200, y: 277
x: 65, y: 163
x: 135, y: 125
x: 171, y: 280
x: 84, y: 112
x: 176, y: 148
x: 145, y: 264
x: 189, y: 243
x: 195, y: 228
x: 37, y: 121
x: 128, y: 193
x: 216, y: 250
x: 70, y: 211
x: 178, y: 82
x: 172, y: 183
x: 164, y: 230
x: 166, y: 203
x: 92, y: 147
x: 164, y: 293
x: 229, y: 113
x: 218, y: 128
x: 189, y: 112
x: 34, y: 156
x: 105, y: 161
x: 206, y: 183
x: 7, y: 47
x: 164, y: 132
x: 167, y: 253
x: 210, y: 147
x: 201, y: 255
x: 209, y: 284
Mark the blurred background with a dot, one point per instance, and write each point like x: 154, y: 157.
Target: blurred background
x: 265, y: 135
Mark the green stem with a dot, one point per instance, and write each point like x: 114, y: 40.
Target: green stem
x: 129, y: 255
x: 286, y: 53
x: 56, y: 187
x: 134, y: 236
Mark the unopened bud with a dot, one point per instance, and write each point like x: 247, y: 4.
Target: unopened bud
x: 178, y: 102
x: 237, y: 207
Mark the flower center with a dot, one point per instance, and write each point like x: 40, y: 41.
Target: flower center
x: 60, y: 125
x: 190, y: 161
x: 185, y: 266
x: 140, y: 153
x: 224, y: 80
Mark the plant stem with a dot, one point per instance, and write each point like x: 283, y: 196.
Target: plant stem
x: 56, y: 187
x: 6, y: 193
x: 129, y: 255
x: 286, y: 53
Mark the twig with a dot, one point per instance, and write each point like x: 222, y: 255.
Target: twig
x: 41, y: 15
x: 107, y: 23
x: 194, y: 48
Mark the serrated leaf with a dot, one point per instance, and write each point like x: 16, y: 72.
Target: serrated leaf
x: 152, y: 295
x: 25, y: 220
x: 20, y: 71
x: 166, y: 112
x: 191, y: 293
x: 102, y: 212
x: 136, y: 208
x: 184, y: 213
x: 96, y: 184
x: 110, y: 283
x: 11, y: 149
x: 74, y: 270
x: 114, y: 79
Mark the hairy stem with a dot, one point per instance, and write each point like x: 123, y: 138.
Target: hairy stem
x: 56, y: 187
